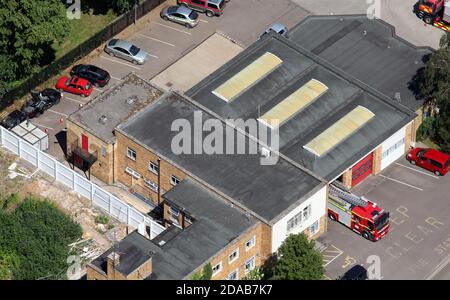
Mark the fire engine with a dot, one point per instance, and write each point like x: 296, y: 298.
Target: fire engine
x: 436, y: 12
x: 361, y: 215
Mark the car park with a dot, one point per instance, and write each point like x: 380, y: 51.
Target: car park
x: 279, y: 29
x: 430, y: 159
x: 74, y: 85
x: 94, y: 74
x: 181, y: 15
x: 210, y: 7
x: 13, y: 119
x: 127, y: 51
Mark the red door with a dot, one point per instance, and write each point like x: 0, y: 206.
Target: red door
x: 362, y: 169
x: 84, y: 142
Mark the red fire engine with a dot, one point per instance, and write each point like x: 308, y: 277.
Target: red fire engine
x: 361, y: 215
x: 436, y: 12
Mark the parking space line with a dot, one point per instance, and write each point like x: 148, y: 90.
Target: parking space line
x: 116, y: 78
x: 119, y: 62
x: 58, y: 113
x: 153, y: 55
x: 327, y: 258
x: 401, y: 182
x: 151, y: 38
x: 182, y: 31
x: 43, y: 126
x: 98, y: 90
x: 71, y: 99
x: 418, y: 171
x: 203, y: 21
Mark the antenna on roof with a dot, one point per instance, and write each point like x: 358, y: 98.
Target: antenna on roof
x: 397, y: 97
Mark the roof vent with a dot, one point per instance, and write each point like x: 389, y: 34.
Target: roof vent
x: 162, y: 243
x: 364, y: 32
x: 131, y: 100
x: 103, y: 119
x: 397, y: 97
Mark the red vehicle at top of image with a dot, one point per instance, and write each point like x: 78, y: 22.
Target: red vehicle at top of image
x: 430, y: 159
x: 210, y: 7
x: 74, y: 85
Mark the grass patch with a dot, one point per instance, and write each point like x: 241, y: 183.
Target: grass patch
x: 102, y: 220
x: 81, y: 30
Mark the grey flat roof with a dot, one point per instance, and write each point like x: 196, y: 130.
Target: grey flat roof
x: 266, y: 190
x: 298, y: 67
x: 114, y: 105
x: 367, y: 49
x: 216, y: 225
x: 134, y: 250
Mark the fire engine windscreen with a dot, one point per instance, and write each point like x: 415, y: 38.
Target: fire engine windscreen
x: 382, y: 220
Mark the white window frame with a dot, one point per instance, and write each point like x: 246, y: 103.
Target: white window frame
x: 174, y: 182
x: 251, y: 260
x: 129, y: 151
x: 317, y: 224
x: 218, y: 270
x: 234, y: 272
x: 152, y: 167
x: 151, y: 184
x: 252, y: 243
x: 306, y: 210
x: 132, y: 172
x: 188, y: 219
x: 294, y: 222
x: 230, y: 261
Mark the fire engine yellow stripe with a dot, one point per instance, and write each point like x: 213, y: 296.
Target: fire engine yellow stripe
x: 247, y: 77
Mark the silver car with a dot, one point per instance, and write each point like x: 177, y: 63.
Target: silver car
x: 126, y: 50
x: 278, y: 28
x: 181, y: 15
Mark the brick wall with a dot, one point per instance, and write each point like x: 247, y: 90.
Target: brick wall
x: 416, y: 123
x: 103, y: 167
x: 376, y: 166
x: 141, y: 165
x: 409, y: 136
x: 347, y: 179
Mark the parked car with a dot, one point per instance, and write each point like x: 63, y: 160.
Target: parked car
x: 94, y: 74
x: 40, y: 102
x: 210, y: 7
x: 278, y: 28
x: 126, y: 50
x: 181, y: 15
x: 74, y: 85
x: 430, y: 159
x: 357, y: 272
x: 13, y: 119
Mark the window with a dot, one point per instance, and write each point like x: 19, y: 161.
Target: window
x: 306, y: 212
x: 435, y: 163
x: 314, y: 228
x: 174, y: 213
x: 103, y: 150
x: 394, y: 147
x: 153, y: 167
x: 200, y: 2
x: 149, y: 183
x: 212, y: 5
x: 217, y: 268
x: 131, y: 154
x: 249, y: 265
x: 132, y: 172
x: 174, y: 180
x: 250, y: 243
x: 188, y: 219
x: 233, y: 275
x: 233, y: 256
x: 294, y: 222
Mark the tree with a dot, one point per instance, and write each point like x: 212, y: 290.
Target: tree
x: 122, y: 6
x: 204, y: 274
x: 27, y: 29
x: 298, y: 260
x: 435, y: 86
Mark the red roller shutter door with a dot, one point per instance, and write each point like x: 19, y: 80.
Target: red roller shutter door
x: 362, y: 169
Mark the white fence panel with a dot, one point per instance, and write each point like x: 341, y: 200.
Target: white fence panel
x: 64, y: 175
x: 119, y: 209
x: 82, y: 186
x: 155, y: 228
x: 100, y: 198
x: 29, y: 153
x: 10, y: 141
x: 135, y: 217
x: 46, y: 163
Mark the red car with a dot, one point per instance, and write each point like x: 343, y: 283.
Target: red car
x: 75, y: 85
x: 210, y: 7
x: 430, y: 159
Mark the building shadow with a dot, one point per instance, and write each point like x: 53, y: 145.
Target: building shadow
x: 61, y: 137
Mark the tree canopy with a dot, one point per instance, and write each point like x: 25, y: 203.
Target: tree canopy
x: 435, y: 86
x: 298, y: 260
x: 34, y: 240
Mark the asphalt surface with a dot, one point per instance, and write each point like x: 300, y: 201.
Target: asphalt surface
x: 398, y: 13
x: 243, y: 22
x: 418, y: 243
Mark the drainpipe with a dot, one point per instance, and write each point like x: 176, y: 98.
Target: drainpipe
x: 159, y: 180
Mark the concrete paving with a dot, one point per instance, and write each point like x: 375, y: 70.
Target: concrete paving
x: 398, y: 13
x: 419, y: 240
